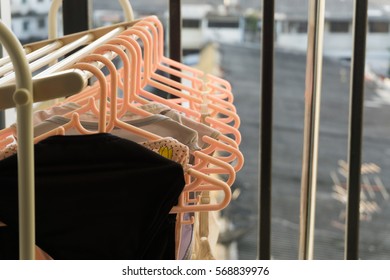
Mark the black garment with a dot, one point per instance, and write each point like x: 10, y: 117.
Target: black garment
x: 9, y: 244
x: 97, y: 197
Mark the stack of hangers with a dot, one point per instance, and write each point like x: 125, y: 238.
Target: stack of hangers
x: 119, y: 170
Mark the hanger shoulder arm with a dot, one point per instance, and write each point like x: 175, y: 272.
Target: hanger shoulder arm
x: 57, y: 85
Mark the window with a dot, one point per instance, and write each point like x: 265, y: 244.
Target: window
x: 26, y: 24
x: 223, y: 24
x: 41, y: 23
x: 339, y: 26
x: 297, y: 27
x: 191, y: 23
x: 378, y: 27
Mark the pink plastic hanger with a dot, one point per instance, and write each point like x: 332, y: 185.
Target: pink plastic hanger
x: 196, y: 76
x: 143, y: 75
x: 197, y: 180
x: 223, y: 144
x: 128, y: 84
x: 214, y: 145
x: 114, y: 121
x: 215, y: 93
x: 226, y: 129
x: 219, y: 124
x: 150, y: 78
x: 203, y: 161
x: 74, y: 122
x: 226, y: 145
x: 187, y: 72
x: 147, y: 28
x: 152, y: 58
x: 216, y: 111
x: 227, y: 108
x: 123, y: 42
x: 221, y: 115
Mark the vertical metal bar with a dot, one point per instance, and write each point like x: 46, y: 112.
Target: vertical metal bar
x: 2, y: 119
x: 265, y: 167
x: 175, y: 25
x: 75, y: 16
x: 311, y: 127
x: 356, y: 130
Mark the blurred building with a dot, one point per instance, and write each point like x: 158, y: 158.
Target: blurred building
x: 224, y: 21
x: 291, y: 27
x: 29, y: 19
x: 204, y: 23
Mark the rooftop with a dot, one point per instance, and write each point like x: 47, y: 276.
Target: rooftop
x: 338, y: 9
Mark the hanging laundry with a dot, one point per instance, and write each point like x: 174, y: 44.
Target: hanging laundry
x: 97, y: 196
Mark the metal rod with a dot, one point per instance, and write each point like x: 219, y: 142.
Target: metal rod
x: 75, y: 16
x: 2, y: 119
x: 266, y: 121
x: 175, y: 25
x: 356, y: 130
x: 311, y: 127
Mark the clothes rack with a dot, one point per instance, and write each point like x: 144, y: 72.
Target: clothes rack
x: 23, y: 101
x: 22, y: 96
x: 73, y: 74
